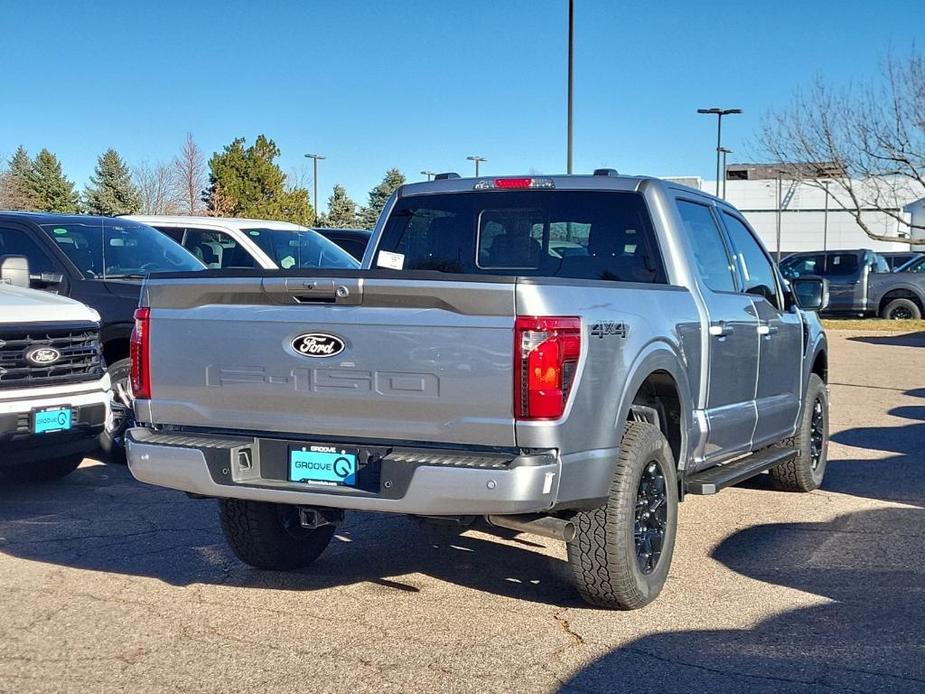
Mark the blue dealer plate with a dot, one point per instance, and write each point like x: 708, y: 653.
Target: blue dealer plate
x: 52, y: 419
x: 324, y: 465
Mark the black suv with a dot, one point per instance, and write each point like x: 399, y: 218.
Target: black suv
x: 101, y: 262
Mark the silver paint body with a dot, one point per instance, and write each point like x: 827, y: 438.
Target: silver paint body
x: 430, y: 361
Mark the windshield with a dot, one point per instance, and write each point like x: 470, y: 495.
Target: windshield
x: 837, y: 264
x: 914, y: 265
x: 119, y: 249
x: 544, y: 233
x: 301, y: 249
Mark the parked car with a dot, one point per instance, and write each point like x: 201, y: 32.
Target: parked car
x: 860, y: 283
x: 53, y: 389
x: 222, y: 242
x: 354, y: 241
x: 468, y: 371
x: 896, y: 259
x: 99, y: 261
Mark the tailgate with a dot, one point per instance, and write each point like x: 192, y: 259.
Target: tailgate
x: 356, y: 356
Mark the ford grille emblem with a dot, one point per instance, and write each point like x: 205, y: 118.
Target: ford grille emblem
x: 317, y: 345
x: 42, y: 356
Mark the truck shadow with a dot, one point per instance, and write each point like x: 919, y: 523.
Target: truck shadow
x: 101, y: 519
x: 916, y: 339
x: 868, y: 637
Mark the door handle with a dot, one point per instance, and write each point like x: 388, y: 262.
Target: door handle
x: 721, y: 329
x: 767, y: 330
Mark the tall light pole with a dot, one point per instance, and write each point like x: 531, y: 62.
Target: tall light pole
x: 780, y: 205
x: 725, y: 151
x: 476, y: 158
x: 430, y: 174
x: 571, y: 45
x: 315, y: 158
x: 825, y: 228
x: 719, y: 113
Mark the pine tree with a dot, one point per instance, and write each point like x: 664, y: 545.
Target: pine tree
x: 342, y: 211
x: 247, y: 182
x: 112, y: 191
x: 18, y: 193
x: 378, y: 196
x: 50, y: 188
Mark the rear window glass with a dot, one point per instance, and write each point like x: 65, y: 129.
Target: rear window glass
x: 574, y: 234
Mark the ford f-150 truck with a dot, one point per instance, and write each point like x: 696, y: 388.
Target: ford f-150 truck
x: 565, y: 355
x: 54, y: 393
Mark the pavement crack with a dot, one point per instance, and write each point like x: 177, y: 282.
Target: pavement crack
x: 565, y: 626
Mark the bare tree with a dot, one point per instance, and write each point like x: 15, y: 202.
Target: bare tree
x: 189, y: 178
x: 155, y: 183
x: 868, y: 141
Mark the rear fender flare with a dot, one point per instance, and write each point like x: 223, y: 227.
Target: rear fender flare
x: 657, y: 356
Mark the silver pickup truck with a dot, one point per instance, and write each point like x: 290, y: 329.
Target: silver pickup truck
x: 565, y: 355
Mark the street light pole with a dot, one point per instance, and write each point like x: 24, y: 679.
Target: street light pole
x: 719, y: 113
x: 780, y: 204
x: 571, y: 45
x: 476, y: 158
x: 825, y: 228
x: 315, y: 158
x: 430, y: 174
x: 725, y: 151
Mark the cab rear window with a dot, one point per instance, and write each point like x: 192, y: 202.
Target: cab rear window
x: 596, y: 235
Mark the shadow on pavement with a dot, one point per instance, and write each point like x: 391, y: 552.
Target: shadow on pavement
x: 893, y: 339
x: 99, y: 518
x: 868, y: 566
x: 868, y: 638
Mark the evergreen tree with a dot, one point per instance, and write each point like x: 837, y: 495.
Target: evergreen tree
x: 50, y: 189
x: 247, y: 182
x: 18, y: 188
x: 378, y: 196
x: 112, y: 191
x: 342, y: 211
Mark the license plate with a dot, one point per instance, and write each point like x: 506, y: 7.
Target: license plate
x: 324, y: 465
x: 52, y: 419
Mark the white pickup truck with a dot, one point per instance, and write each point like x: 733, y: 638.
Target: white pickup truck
x: 54, y: 392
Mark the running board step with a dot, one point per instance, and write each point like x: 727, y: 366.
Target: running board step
x: 713, y: 479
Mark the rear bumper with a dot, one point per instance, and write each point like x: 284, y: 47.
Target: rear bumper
x: 412, y: 481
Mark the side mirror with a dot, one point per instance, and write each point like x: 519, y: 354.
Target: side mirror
x: 811, y: 293
x: 14, y: 269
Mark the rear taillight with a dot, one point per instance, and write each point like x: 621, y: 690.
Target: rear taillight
x: 546, y: 352
x: 140, y: 374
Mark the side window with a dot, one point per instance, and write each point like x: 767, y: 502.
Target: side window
x: 710, y: 252
x: 878, y: 263
x: 176, y: 233
x: 18, y: 242
x: 216, y: 249
x: 757, y: 271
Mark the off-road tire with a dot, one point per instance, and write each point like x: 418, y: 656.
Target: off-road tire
x: 603, y: 555
x: 799, y: 474
x: 112, y: 441
x: 269, y: 536
x: 41, y: 470
x: 907, y: 309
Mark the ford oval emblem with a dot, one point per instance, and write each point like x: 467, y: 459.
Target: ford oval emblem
x: 318, y: 345
x: 42, y: 356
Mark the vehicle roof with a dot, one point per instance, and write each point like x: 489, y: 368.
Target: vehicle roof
x: 560, y: 181
x: 341, y: 230
x: 833, y: 250
x: 55, y: 217
x: 230, y: 222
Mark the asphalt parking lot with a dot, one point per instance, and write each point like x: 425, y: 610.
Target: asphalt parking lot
x: 109, y: 585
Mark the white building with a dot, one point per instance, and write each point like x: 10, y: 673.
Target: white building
x: 803, y: 213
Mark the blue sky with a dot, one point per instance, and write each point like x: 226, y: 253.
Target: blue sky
x: 422, y: 84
